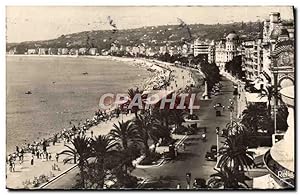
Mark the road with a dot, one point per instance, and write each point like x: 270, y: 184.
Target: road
x: 191, y: 160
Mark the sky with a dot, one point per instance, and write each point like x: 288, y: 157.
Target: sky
x: 29, y: 23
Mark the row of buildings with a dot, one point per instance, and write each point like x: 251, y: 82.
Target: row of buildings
x: 60, y: 51
x: 273, y: 64
x: 142, y: 50
x: 269, y: 62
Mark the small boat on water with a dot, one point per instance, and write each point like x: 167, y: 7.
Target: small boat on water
x: 85, y: 73
x: 28, y: 92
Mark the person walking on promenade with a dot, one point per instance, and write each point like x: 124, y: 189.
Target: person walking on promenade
x: 31, y: 161
x: 10, y: 164
x: 13, y: 166
x: 17, y: 149
x: 22, y: 154
x: 49, y: 156
x: 54, y: 139
x: 20, y: 157
x: 37, y: 154
x: 56, y: 156
x: 42, y: 155
x: 44, y: 146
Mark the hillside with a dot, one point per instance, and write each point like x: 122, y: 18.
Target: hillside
x: 150, y: 36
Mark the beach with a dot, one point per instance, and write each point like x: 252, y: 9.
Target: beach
x: 60, y: 92
x: 25, y: 172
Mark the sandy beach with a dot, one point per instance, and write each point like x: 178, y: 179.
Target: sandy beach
x: 25, y: 172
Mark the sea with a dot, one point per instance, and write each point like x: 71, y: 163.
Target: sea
x: 61, y: 94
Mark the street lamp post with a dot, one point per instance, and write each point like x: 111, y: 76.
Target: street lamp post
x: 231, y: 108
x: 217, y: 132
x: 276, y: 100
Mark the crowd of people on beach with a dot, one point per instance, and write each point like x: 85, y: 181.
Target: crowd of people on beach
x: 38, y: 150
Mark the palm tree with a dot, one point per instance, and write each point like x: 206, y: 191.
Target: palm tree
x: 144, y: 125
x: 102, y: 147
x: 126, y: 134
x: 235, y: 127
x: 234, y: 154
x: 257, y: 117
x: 132, y: 93
x: 159, y: 132
x: 177, y: 117
x: 80, y: 152
x: 227, y: 179
x: 270, y: 92
x: 162, y: 116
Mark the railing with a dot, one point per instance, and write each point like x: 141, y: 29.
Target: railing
x: 275, y: 168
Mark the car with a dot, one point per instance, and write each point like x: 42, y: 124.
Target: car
x: 191, y: 117
x: 218, y: 105
x: 211, y: 156
x: 199, y: 183
x: 213, y: 148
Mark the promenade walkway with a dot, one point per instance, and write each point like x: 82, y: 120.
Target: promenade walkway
x: 241, y: 98
x: 25, y: 171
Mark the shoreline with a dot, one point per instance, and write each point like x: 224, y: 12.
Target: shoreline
x: 100, y: 128
x: 137, y: 62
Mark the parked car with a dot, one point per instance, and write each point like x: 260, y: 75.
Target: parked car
x: 213, y: 148
x: 199, y: 183
x: 212, y: 154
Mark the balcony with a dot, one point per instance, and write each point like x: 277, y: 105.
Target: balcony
x: 284, y: 177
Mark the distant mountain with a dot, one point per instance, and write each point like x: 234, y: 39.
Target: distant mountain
x: 150, y: 36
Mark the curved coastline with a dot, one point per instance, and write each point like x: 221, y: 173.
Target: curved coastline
x: 141, y: 63
x: 42, y: 166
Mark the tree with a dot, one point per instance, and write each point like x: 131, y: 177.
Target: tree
x: 144, y: 125
x: 160, y: 132
x: 235, y: 67
x: 80, y: 152
x: 211, y: 72
x: 227, y: 179
x: 281, y: 118
x: 257, y: 117
x: 162, y: 116
x: 270, y: 92
x: 177, y: 116
x: 103, y: 147
x: 234, y: 154
x: 132, y: 93
x: 282, y: 112
x: 234, y: 127
x: 126, y: 134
